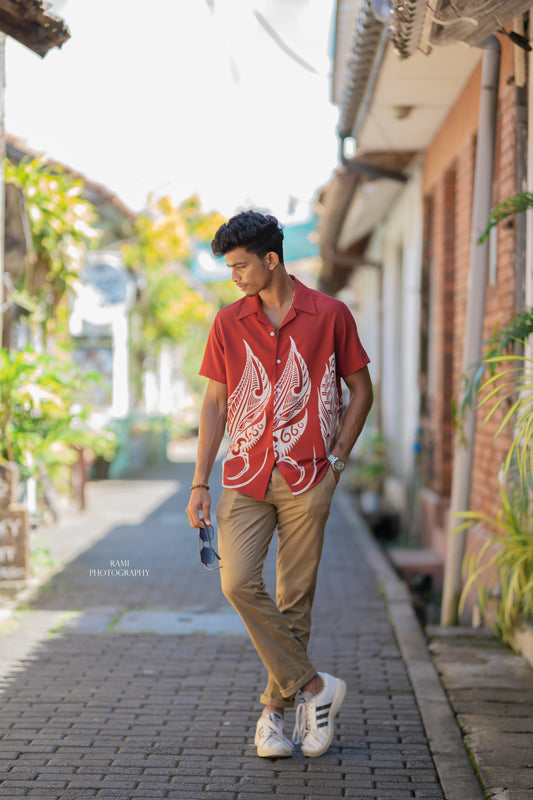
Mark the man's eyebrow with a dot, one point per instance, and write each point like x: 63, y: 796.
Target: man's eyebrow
x: 237, y: 264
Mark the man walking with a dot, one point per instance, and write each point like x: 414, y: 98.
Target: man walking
x: 274, y: 362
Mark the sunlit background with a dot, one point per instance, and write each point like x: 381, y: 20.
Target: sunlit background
x: 226, y: 98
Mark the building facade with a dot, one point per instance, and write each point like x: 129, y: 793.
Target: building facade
x: 400, y: 225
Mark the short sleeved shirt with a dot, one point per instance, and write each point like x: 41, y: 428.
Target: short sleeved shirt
x: 284, y: 391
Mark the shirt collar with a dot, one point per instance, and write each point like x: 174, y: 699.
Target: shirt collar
x: 303, y: 301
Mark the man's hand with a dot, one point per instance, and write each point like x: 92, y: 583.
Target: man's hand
x: 210, y: 434
x: 200, y: 501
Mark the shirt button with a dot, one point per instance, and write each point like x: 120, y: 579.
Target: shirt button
x: 278, y: 361
x: 272, y: 333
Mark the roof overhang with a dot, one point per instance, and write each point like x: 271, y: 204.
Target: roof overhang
x: 359, y: 196
x: 411, y: 98
x: 370, y: 203
x: 29, y: 22
x: 421, y: 25
x: 393, y: 104
x: 411, y: 29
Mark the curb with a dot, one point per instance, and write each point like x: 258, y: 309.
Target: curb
x: 452, y: 761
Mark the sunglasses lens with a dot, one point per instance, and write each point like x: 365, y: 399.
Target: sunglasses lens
x: 206, y: 534
x: 206, y: 555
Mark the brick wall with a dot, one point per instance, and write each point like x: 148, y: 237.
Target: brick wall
x: 449, y: 182
x: 489, y: 452
x: 441, y: 359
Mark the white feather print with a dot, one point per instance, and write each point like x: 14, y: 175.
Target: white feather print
x: 246, y: 410
x: 329, y: 404
x: 290, y: 415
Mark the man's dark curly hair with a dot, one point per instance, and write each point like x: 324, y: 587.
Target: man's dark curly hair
x: 257, y: 233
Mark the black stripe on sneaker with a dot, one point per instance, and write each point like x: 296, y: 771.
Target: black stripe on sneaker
x: 322, y: 715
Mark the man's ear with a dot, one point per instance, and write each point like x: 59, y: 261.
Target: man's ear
x: 271, y: 260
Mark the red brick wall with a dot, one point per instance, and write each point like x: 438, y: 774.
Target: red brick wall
x: 448, y: 182
x: 500, y: 306
x: 438, y: 432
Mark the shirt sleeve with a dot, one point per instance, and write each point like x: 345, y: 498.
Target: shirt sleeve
x: 214, y: 361
x: 350, y: 353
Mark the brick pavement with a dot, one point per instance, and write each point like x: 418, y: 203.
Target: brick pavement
x: 90, y: 712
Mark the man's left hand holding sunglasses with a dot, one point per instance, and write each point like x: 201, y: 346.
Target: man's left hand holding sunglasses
x: 200, y: 504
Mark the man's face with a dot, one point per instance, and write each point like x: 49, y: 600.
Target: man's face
x: 249, y: 272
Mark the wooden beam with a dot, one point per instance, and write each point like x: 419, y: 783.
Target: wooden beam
x: 29, y: 23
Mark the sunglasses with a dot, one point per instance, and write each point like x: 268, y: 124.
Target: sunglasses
x: 207, y: 551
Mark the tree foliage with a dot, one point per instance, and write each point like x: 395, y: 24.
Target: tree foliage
x: 63, y: 227
x: 169, y: 305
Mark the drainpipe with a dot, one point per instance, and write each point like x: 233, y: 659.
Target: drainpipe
x: 475, y: 310
x: 2, y: 186
x: 382, y: 10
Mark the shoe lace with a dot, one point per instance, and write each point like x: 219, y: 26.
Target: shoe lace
x: 300, y: 726
x: 270, y: 725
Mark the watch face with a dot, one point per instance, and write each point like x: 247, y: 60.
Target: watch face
x: 339, y: 465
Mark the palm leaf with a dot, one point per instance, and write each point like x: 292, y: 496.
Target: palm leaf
x: 512, y: 205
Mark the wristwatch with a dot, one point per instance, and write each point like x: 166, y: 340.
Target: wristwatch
x: 336, y: 463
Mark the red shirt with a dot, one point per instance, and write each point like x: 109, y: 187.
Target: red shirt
x: 284, y: 390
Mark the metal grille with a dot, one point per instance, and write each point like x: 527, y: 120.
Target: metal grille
x: 366, y: 41
x: 406, y: 26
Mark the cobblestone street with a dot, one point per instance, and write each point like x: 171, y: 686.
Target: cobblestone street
x: 147, y: 686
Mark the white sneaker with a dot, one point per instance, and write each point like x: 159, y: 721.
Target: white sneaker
x: 315, y: 715
x: 269, y: 738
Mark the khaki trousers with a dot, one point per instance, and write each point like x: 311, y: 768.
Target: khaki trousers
x: 279, y: 630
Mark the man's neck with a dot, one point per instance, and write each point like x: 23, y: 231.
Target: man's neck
x: 279, y: 294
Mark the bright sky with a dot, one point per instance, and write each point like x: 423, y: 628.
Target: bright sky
x: 183, y: 96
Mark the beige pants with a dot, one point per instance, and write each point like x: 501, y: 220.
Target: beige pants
x: 279, y: 630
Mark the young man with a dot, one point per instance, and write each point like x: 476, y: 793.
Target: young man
x: 274, y: 360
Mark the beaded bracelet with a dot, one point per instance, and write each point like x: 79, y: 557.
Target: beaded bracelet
x: 200, y: 486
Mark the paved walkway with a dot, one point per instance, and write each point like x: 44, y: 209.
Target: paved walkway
x: 491, y: 691
x: 145, y: 685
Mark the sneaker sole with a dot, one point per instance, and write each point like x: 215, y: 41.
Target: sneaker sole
x: 264, y: 752
x: 271, y: 754
x: 336, y: 703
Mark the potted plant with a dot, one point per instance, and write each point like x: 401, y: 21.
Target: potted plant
x: 370, y: 470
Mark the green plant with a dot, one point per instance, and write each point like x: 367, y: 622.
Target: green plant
x: 502, y: 568
x: 62, y: 225
x: 515, y: 204
x: 42, y: 426
x: 372, y: 465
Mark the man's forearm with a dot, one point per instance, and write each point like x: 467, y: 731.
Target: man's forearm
x: 211, y: 430
x: 352, y: 425
x: 210, y: 434
x: 361, y: 398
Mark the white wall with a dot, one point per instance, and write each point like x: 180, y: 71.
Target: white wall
x: 397, y: 244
